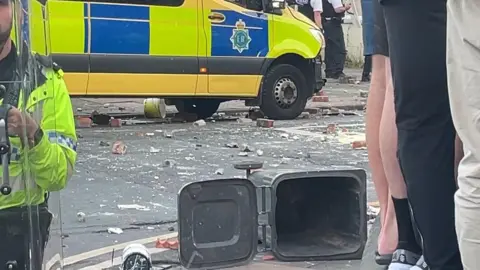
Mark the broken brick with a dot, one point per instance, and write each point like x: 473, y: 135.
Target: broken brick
x: 359, y: 144
x: 172, y: 244
x: 115, y: 122
x: 84, y: 122
x: 320, y: 99
x: 161, y: 243
x: 268, y: 257
x: 266, y: 123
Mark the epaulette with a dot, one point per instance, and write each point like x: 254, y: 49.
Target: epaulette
x: 47, y: 62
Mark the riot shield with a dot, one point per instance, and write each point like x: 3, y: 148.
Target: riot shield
x: 33, y: 146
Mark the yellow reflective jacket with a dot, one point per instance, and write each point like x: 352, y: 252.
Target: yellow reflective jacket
x: 50, y: 163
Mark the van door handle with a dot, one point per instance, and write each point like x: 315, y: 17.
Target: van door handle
x: 216, y: 17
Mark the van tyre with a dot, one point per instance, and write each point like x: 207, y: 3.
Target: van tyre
x: 203, y: 108
x: 284, y: 92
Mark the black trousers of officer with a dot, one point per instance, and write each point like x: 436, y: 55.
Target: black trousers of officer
x: 416, y: 33
x: 23, y: 237
x: 335, y: 51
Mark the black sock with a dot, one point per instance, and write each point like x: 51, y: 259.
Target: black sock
x: 406, y: 235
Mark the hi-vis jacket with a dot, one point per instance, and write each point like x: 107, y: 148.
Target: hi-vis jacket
x: 49, y: 164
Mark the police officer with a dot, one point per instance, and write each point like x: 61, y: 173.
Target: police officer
x: 312, y: 9
x: 42, y: 139
x: 335, y: 51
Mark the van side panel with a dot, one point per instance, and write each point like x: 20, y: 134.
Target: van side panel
x: 68, y: 28
x: 237, y: 49
x: 143, y: 50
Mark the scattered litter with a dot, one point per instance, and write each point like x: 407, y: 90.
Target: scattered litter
x: 102, y: 143
x: 231, y: 145
x: 331, y: 128
x: 246, y: 148
x: 284, y: 135
x: 295, y: 137
x: 115, y: 230
x: 220, y: 171
x: 304, y: 115
x: 149, y: 134
x: 119, y: 148
x: 171, y: 229
x: 199, y: 123
x: 154, y: 150
x: 244, y: 120
x: 268, y: 257
x: 106, y: 105
x: 243, y: 154
x: 167, y: 135
x: 79, y: 109
x: 259, y: 152
x: 363, y: 94
x: 132, y: 206
x: 81, y: 217
x: 168, y: 163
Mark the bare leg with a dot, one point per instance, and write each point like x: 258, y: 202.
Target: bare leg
x: 388, y: 142
x: 376, y: 97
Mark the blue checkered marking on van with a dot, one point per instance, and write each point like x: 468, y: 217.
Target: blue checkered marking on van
x: 119, y: 29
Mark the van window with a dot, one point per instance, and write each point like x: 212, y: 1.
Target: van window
x: 168, y: 3
x: 255, y: 5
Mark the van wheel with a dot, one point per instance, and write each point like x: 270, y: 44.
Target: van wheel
x: 203, y: 108
x: 284, y: 92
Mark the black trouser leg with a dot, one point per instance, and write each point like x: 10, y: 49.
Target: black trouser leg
x: 335, y: 52
x: 367, y: 66
x: 417, y: 42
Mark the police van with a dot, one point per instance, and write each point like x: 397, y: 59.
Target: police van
x: 193, y: 53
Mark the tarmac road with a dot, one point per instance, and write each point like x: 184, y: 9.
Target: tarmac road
x: 137, y: 191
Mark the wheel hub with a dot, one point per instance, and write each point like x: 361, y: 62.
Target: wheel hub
x: 285, y: 92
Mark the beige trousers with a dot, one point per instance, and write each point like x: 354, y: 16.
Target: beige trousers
x: 463, y: 64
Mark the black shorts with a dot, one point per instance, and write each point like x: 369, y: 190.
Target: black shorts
x: 380, y: 30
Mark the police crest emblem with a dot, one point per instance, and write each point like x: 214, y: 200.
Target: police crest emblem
x: 240, y: 37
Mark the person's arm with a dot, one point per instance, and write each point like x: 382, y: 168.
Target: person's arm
x: 339, y: 6
x: 317, y: 6
x: 53, y: 156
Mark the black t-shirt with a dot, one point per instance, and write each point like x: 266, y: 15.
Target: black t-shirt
x: 380, y: 30
x: 7, y: 68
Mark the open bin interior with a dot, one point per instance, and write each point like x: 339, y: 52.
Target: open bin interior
x: 318, y: 217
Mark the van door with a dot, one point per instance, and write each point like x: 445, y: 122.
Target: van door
x: 143, y: 48
x: 238, y: 43
x: 69, y: 42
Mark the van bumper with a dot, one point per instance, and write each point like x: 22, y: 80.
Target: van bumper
x: 319, y: 78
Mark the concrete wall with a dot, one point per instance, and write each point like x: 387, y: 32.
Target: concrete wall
x: 352, y: 28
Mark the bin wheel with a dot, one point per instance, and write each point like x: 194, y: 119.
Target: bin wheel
x: 5, y: 190
x: 284, y: 92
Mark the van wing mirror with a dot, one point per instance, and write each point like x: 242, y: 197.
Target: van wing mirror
x: 277, y: 4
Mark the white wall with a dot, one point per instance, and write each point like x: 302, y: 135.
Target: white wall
x: 352, y: 28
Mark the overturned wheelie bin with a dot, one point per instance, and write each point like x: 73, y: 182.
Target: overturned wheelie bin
x: 299, y: 215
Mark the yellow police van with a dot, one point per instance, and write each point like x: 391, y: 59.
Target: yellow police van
x: 193, y: 53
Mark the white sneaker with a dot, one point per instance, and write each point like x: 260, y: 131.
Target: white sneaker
x: 420, y: 265
x: 403, y: 260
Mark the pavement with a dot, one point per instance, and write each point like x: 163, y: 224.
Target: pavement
x: 116, y: 198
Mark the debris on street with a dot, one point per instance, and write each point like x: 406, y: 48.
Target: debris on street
x: 199, y: 123
x: 81, y: 217
x: 231, y: 145
x: 266, y: 123
x: 115, y: 231
x: 103, y: 143
x: 220, y: 171
x: 119, y: 148
x: 244, y: 120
